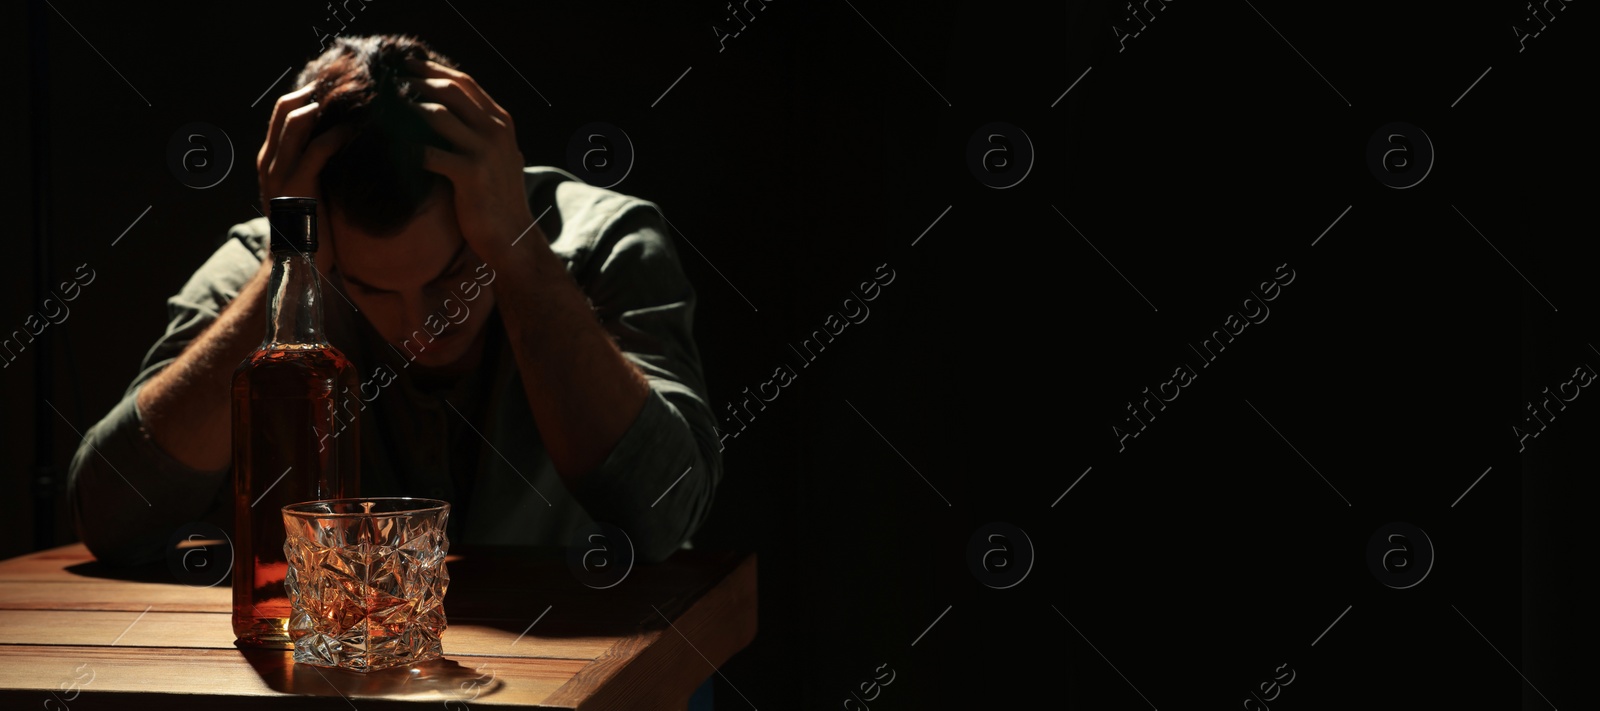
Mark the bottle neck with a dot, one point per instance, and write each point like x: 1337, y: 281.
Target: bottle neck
x: 294, y: 303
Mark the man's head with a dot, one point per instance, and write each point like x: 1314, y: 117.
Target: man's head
x: 395, y: 237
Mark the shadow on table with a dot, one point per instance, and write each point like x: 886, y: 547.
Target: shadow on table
x: 445, y: 676
x: 150, y: 573
x: 511, y: 588
x: 198, y: 561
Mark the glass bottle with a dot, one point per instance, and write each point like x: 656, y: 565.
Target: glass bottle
x: 290, y: 443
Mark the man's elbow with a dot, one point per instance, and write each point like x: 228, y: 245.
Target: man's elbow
x: 655, y: 549
x: 690, y: 508
x: 96, y: 524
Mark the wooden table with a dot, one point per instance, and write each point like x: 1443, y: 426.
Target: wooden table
x: 76, y: 634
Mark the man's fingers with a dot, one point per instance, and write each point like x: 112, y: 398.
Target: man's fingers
x: 280, y: 111
x: 292, y: 141
x: 316, y: 156
x: 297, y: 129
x: 445, y: 163
x: 466, y: 83
x: 450, y: 126
x: 321, y: 148
x: 460, y: 102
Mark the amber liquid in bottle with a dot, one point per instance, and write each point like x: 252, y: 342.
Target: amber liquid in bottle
x: 292, y: 440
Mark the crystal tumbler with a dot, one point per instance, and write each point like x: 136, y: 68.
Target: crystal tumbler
x: 366, y: 581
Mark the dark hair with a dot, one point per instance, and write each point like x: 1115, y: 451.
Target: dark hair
x: 376, y: 181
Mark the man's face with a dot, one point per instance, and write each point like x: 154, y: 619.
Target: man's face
x: 424, y: 280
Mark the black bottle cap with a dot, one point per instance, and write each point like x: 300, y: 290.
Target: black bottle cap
x: 294, y: 224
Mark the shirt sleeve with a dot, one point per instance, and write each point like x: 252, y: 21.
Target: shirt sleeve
x: 129, y: 496
x: 657, y: 483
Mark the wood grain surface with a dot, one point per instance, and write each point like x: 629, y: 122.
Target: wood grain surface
x: 76, y: 634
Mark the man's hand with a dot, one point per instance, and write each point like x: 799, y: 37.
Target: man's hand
x: 288, y: 163
x: 583, y: 392
x: 485, y: 170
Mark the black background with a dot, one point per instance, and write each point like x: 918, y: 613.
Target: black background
x: 825, y: 139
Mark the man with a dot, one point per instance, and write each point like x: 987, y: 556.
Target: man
x: 537, y: 375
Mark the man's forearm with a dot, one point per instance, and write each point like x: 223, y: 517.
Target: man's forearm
x: 583, y: 392
x: 186, y: 407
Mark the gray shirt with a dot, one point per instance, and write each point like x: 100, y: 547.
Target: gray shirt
x: 472, y: 442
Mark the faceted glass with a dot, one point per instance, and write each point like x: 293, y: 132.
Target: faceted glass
x: 366, y: 581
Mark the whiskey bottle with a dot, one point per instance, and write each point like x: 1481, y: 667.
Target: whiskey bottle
x: 289, y: 444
